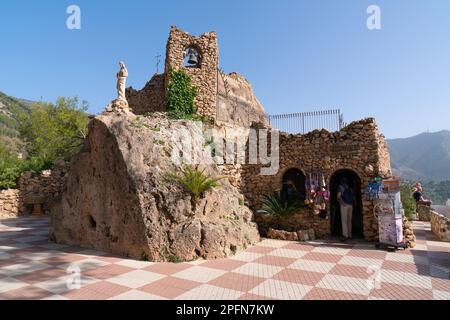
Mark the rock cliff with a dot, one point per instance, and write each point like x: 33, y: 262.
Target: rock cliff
x: 117, y: 197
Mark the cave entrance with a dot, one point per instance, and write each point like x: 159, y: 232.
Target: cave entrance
x: 354, y: 182
x: 293, y: 185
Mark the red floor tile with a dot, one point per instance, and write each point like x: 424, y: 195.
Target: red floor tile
x: 350, y: 271
x: 300, y: 246
x: 223, y: 264
x: 371, y: 254
x: 107, y: 271
x: 260, y: 249
x: 299, y: 276
x: 41, y: 275
x: 26, y: 293
x: 328, y: 294
x: 322, y: 257
x: 167, y: 268
x: 275, y: 261
x: 170, y: 287
x: 237, y: 282
x: 422, y: 269
x: 400, y: 292
x: 97, y: 291
x: 63, y: 259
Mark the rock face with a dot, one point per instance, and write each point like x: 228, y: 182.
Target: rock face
x: 118, y: 199
x: 237, y: 103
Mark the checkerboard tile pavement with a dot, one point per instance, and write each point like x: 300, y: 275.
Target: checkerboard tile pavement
x: 31, y: 267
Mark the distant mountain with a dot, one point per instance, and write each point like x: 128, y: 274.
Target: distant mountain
x: 11, y: 111
x: 424, y: 157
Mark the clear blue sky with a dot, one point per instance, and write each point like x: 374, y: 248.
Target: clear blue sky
x: 300, y: 55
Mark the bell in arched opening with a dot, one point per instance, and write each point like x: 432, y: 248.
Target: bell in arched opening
x: 192, y: 57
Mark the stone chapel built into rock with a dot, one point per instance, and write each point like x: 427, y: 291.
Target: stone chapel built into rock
x: 358, y: 151
x: 115, y: 198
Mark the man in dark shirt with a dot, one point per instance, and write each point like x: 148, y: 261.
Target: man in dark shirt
x: 418, y: 195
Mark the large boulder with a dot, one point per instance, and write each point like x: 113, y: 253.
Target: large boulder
x: 117, y: 196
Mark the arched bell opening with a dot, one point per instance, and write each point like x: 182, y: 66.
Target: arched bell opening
x: 192, y: 57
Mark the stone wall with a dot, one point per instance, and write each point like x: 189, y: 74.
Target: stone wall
x: 304, y: 220
x: 359, y: 147
x: 10, y: 203
x: 149, y: 99
x: 424, y: 212
x: 204, y: 77
x: 440, y: 226
x: 48, y: 184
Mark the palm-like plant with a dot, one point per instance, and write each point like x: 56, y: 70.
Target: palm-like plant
x: 278, y: 207
x: 195, y: 181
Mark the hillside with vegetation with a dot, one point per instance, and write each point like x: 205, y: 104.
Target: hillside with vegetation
x: 35, y: 135
x: 424, y: 157
x: 12, y: 112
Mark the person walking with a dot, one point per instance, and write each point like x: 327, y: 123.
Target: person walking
x: 345, y: 198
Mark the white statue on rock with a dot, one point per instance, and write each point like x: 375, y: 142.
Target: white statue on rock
x: 121, y: 82
x: 121, y: 103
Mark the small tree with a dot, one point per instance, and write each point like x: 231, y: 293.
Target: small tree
x: 9, y: 168
x: 55, y: 131
x: 408, y: 202
x: 181, y: 96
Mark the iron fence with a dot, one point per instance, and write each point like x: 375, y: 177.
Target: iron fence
x: 303, y: 122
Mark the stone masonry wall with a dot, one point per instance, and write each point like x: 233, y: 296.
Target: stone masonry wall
x: 359, y: 147
x: 10, y: 203
x: 424, y: 212
x: 48, y: 184
x: 151, y: 98
x: 440, y: 226
x: 204, y: 77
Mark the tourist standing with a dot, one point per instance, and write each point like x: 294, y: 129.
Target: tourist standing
x: 418, y: 195
x: 345, y: 198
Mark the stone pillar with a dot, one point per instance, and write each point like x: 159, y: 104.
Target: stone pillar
x: 424, y: 212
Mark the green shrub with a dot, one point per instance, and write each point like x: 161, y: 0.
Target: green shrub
x: 195, y: 181
x: 181, y: 96
x: 278, y: 207
x: 55, y: 131
x: 408, y: 202
x: 11, y: 168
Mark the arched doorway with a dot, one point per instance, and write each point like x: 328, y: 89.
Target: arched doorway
x: 354, y: 182
x: 296, y: 178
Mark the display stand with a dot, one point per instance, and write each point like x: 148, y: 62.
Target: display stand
x: 388, y: 211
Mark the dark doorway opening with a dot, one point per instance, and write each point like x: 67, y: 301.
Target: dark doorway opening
x: 335, y: 215
x: 294, y: 185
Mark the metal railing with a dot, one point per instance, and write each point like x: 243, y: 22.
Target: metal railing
x: 303, y: 122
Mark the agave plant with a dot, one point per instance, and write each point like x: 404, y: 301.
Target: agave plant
x: 195, y: 181
x: 278, y: 207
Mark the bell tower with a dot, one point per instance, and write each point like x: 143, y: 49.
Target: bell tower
x: 198, y: 57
